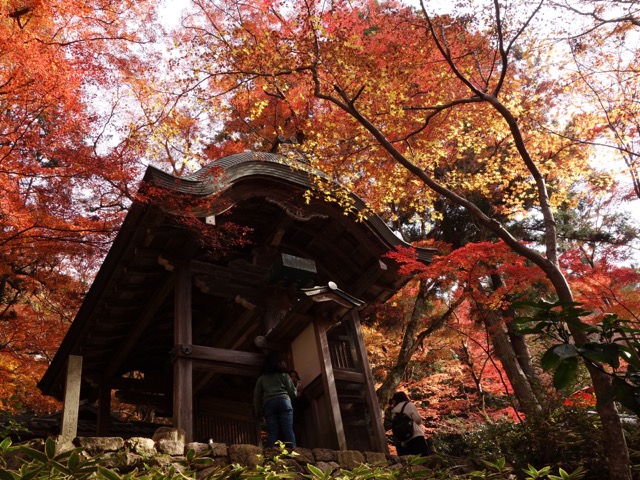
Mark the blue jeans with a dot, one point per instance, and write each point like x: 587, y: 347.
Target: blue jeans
x: 278, y: 414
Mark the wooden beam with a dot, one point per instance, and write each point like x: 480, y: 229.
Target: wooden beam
x: 349, y: 375
x: 245, y: 326
x: 104, y: 410
x: 375, y: 271
x: 182, y: 367
x: 216, y: 369
x: 148, y: 314
x: 243, y: 329
x: 295, y: 320
x: 329, y: 383
x: 243, y: 273
x: 226, y: 289
x: 142, y: 385
x: 221, y: 356
x: 160, y: 402
x: 380, y: 439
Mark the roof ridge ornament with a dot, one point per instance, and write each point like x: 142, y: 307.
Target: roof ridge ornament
x: 295, y: 212
x: 331, y: 292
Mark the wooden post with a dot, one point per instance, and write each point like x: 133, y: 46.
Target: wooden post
x: 182, y: 367
x: 379, y: 437
x: 329, y: 382
x: 69, y: 429
x: 104, y: 410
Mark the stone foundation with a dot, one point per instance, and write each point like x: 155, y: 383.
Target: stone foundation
x: 168, y: 449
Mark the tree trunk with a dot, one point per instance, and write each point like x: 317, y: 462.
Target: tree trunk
x: 523, y: 355
x: 522, y: 388
x: 519, y: 346
x: 394, y: 377
x: 615, y: 443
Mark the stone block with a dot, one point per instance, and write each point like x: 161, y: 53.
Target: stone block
x: 324, y: 455
x: 94, y: 445
x: 63, y: 444
x: 350, y: 459
x: 133, y: 461
x: 170, y: 433
x: 304, y: 455
x: 198, y: 447
x: 142, y: 445
x: 328, y: 466
x: 218, y: 449
x: 375, y: 458
x: 159, y: 462
x: 122, y: 461
x: 170, y: 447
x: 294, y: 470
x: 270, y: 452
x: 246, y: 455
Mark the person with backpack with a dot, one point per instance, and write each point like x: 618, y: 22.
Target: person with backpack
x: 403, y: 419
x: 272, y: 397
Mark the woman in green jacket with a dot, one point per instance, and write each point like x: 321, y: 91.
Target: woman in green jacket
x: 272, y: 397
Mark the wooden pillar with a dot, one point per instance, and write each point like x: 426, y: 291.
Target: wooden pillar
x: 69, y: 429
x: 329, y: 383
x: 182, y: 367
x: 104, y: 411
x: 379, y: 437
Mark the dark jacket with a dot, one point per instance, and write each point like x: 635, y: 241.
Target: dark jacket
x: 270, y: 386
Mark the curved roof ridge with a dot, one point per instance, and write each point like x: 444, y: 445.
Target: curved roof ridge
x: 234, y: 167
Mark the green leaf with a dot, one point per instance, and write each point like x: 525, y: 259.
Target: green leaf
x: 533, y: 330
x: 50, y: 448
x: 577, y: 324
x: 204, y: 461
x: 74, y: 461
x: 4, y: 475
x: 108, y: 474
x: 5, y: 444
x: 566, y: 372
x: 60, y: 467
x: 557, y: 353
x: 32, y: 474
x: 532, y: 472
x: 190, y: 455
x: 628, y: 355
x: 566, y: 350
x: 627, y: 395
x: 316, y: 471
x: 550, y: 359
x: 608, y: 353
x: 35, y: 454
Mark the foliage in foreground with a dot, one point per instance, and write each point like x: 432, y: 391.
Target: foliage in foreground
x: 47, y: 464
x: 567, y: 437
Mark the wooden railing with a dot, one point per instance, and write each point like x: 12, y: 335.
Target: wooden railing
x: 228, y: 430
x: 341, y: 353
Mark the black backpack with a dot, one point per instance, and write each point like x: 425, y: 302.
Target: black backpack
x: 402, y: 425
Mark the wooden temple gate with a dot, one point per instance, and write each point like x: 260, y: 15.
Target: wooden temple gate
x: 173, y: 325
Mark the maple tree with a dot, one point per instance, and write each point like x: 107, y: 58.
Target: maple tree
x: 461, y: 299
x: 428, y: 118
x: 453, y: 107
x: 66, y: 166
x: 602, y: 63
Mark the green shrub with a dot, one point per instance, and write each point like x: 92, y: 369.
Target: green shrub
x: 566, y: 437
x: 47, y: 464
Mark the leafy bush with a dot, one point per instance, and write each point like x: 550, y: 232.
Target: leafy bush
x: 37, y: 465
x: 567, y: 437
